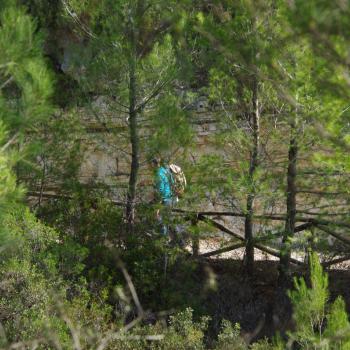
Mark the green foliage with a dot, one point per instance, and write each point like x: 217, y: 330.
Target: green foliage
x: 10, y: 193
x: 62, y: 284
x: 24, y: 298
x: 26, y: 293
x: 49, y: 145
x: 38, y: 273
x: 58, y: 156
x: 229, y: 337
x: 25, y: 91
x: 317, y: 324
x: 183, y: 333
x: 337, y: 331
x: 309, y: 303
x: 167, y: 141
x: 26, y: 82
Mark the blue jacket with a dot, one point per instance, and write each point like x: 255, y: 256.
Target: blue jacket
x: 163, y: 183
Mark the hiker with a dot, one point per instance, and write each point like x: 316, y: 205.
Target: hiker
x: 163, y: 192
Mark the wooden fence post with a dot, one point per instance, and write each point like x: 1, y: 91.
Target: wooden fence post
x: 195, y: 237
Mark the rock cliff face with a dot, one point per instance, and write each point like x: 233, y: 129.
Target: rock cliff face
x: 107, y: 158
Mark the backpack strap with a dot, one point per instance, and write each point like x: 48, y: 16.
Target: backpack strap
x: 170, y: 179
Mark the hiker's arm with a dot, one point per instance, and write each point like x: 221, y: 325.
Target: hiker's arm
x: 161, y: 183
x: 157, y: 188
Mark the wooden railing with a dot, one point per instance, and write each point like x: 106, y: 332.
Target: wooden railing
x: 305, y: 223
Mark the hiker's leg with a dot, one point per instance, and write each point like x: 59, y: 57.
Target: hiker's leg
x: 162, y: 224
x: 177, y: 229
x: 164, y: 229
x: 166, y: 216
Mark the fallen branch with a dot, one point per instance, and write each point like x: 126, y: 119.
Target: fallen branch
x: 323, y: 213
x: 119, y: 336
x: 303, y: 227
x: 75, y: 332
x: 208, y: 213
x: 222, y: 250
x: 276, y: 253
x: 334, y: 234
x: 265, y: 249
x: 335, y: 261
x: 220, y: 227
x: 33, y: 344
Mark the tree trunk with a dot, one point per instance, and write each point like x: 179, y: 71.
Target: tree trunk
x: 133, y: 132
x: 284, y: 268
x: 254, y: 163
x: 195, y: 237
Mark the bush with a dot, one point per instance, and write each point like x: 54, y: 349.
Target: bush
x: 36, y: 273
x: 25, y: 301
x: 229, y: 337
x: 183, y: 333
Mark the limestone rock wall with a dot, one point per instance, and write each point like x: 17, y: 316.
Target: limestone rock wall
x: 107, y: 158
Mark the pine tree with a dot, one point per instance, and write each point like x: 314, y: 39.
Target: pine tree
x: 317, y: 190
x: 133, y: 65
x: 25, y: 90
x: 242, y: 42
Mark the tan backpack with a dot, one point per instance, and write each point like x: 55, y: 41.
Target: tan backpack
x: 178, y: 180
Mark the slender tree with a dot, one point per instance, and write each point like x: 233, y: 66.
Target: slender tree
x: 129, y: 35
x: 291, y: 205
x: 239, y: 42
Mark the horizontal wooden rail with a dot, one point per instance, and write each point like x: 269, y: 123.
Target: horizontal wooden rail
x: 267, y: 217
x: 307, y: 222
x: 48, y: 195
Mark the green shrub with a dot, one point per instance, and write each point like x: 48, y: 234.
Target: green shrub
x: 229, y: 337
x: 42, y: 289
x: 337, y: 332
x: 25, y: 300
x: 183, y: 333
x: 263, y: 344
